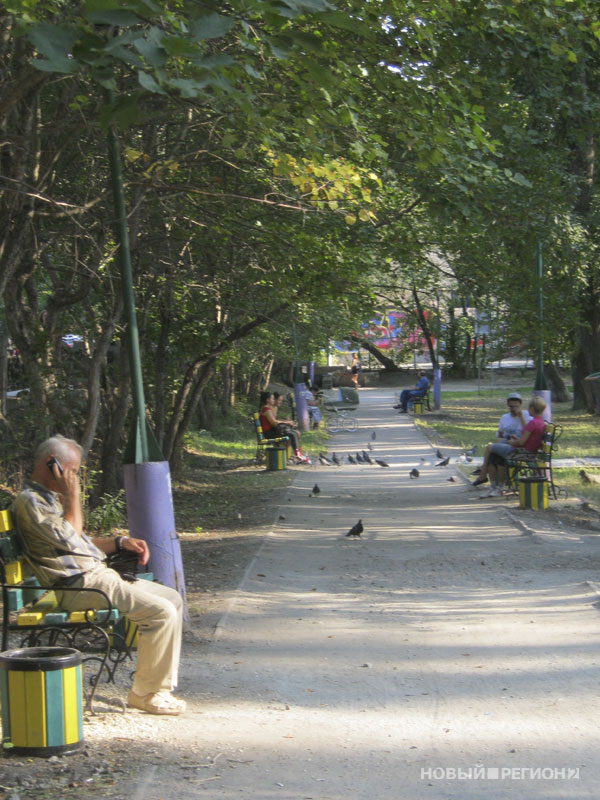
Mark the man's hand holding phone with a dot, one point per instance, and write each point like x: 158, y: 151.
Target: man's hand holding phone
x: 67, y: 485
x: 55, y: 467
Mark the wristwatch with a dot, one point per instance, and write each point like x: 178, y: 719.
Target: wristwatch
x: 118, y: 543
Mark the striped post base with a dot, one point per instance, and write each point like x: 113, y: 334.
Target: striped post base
x: 276, y: 458
x: 533, y: 492
x: 42, y: 701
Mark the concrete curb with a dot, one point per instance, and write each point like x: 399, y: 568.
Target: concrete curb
x: 527, y: 531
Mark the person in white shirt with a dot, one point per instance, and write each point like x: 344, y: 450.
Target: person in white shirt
x: 511, y: 424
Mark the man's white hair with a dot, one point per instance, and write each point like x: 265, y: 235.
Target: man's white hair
x: 58, y: 446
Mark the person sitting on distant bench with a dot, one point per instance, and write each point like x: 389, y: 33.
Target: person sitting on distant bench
x: 313, y: 404
x: 420, y: 390
x: 529, y: 441
x: 511, y: 424
x: 273, y: 428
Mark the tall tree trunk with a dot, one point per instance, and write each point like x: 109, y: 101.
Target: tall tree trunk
x: 227, y: 388
x: 96, y: 364
x: 116, y: 408
x: 175, y: 456
x: 365, y: 344
x: 425, y: 328
x: 160, y: 363
x: 587, y: 353
x: 468, y: 342
x: 204, y: 411
x: 560, y: 393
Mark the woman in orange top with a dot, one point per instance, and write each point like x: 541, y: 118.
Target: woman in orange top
x: 273, y: 427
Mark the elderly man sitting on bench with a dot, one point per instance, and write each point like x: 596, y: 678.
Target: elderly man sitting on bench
x: 407, y: 395
x: 49, y: 518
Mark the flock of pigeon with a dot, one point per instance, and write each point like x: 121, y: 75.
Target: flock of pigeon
x: 363, y: 457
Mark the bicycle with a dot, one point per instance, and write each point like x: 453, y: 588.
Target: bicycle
x: 339, y: 419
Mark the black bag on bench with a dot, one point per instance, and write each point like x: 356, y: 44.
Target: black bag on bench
x: 125, y: 562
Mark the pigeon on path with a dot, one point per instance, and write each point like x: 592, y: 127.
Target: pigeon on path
x: 351, y: 459
x: 360, y: 459
x: 336, y: 460
x: 324, y: 461
x: 471, y: 451
x: 356, y: 530
x: 381, y: 462
x: 439, y: 453
x: 452, y: 479
x: 369, y: 445
x: 315, y: 490
x: 373, y: 436
x: 366, y: 457
x: 444, y: 462
x: 414, y: 473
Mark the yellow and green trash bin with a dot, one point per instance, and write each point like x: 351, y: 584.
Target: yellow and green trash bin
x: 41, y: 694
x: 533, y: 492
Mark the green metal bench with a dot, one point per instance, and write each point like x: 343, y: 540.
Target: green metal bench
x: 262, y: 443
x: 538, y: 464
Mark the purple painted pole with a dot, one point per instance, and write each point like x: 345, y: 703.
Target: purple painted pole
x: 301, y: 407
x: 151, y: 518
x: 437, y: 389
x: 311, y: 372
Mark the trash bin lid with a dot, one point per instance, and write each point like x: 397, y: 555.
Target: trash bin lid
x: 39, y: 659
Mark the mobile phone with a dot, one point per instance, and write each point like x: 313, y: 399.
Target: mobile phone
x: 50, y: 464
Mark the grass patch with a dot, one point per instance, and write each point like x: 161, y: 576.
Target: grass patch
x: 570, y: 480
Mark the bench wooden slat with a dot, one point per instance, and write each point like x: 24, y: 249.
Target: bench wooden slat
x: 56, y: 618
x: 5, y: 520
x: 30, y: 618
x: 15, y: 572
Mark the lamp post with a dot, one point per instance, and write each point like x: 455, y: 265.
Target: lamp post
x: 541, y: 387
x: 146, y: 474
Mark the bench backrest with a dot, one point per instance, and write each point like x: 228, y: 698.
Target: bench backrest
x: 259, y: 431
x: 548, y: 445
x: 262, y: 439
x: 13, y: 568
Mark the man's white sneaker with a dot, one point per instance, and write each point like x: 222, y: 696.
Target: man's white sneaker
x: 495, y: 492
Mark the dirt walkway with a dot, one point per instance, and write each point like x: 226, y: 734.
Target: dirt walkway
x: 448, y: 653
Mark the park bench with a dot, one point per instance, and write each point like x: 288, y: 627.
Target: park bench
x: 263, y: 443
x: 538, y: 464
x: 32, y: 614
x: 423, y: 399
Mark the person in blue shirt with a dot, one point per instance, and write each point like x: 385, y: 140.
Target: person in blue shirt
x: 409, y: 394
